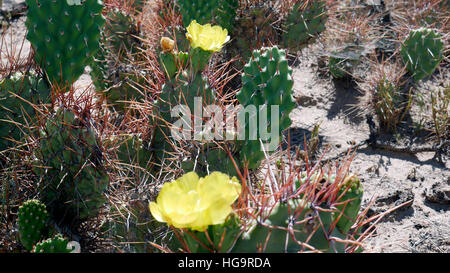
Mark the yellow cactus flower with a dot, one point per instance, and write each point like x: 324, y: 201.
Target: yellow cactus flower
x: 207, y: 37
x: 195, y: 203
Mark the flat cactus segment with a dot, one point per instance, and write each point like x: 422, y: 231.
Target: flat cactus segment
x: 32, y: 221
x: 57, y: 244
x: 304, y: 23
x: 74, y: 180
x: 65, y: 35
x: 422, y: 51
x: 291, y: 227
x: 266, y: 81
x: 19, y: 94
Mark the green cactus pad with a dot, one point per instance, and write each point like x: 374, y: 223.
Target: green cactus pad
x: 266, y: 81
x: 73, y: 180
x: 222, y: 237
x: 132, y: 150
x: 307, y: 226
x: 304, y: 23
x: 210, y: 158
x: 57, y: 244
x: 219, y: 12
x: 65, y: 35
x: 121, y: 31
x: 32, y: 222
x: 181, y: 91
x: 19, y: 94
x: 422, y: 51
x: 350, y: 190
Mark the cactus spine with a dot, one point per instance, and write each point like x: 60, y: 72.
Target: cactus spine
x: 65, y: 35
x: 73, y: 180
x: 32, y: 222
x: 18, y: 94
x: 312, y: 225
x: 266, y: 82
x: 304, y: 23
x: 422, y: 51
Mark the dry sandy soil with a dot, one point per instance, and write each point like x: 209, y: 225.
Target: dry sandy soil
x: 389, y: 178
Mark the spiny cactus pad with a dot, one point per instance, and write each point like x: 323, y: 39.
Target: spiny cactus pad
x: 121, y: 30
x: 57, y: 244
x: 32, y: 221
x: 218, y: 12
x: 65, y: 35
x: 422, y: 51
x: 74, y: 179
x: 288, y: 226
x: 132, y: 150
x: 18, y: 96
x: 181, y: 91
x: 266, y: 81
x: 304, y: 23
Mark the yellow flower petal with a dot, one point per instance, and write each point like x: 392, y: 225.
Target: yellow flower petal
x: 154, y: 210
x: 207, y: 37
x: 195, y: 203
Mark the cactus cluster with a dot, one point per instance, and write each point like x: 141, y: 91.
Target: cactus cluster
x: 114, y: 74
x: 32, y: 221
x: 299, y: 225
x: 266, y: 81
x: 291, y: 225
x: 65, y: 36
x: 305, y: 21
x: 422, y: 51
x: 73, y: 178
x: 181, y: 91
x: 19, y: 95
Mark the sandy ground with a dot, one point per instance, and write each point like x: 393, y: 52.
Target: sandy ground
x: 389, y: 178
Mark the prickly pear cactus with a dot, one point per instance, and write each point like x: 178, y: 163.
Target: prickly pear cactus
x: 18, y: 94
x: 182, y: 91
x: 218, y: 12
x: 121, y: 30
x: 221, y: 238
x: 70, y: 164
x: 32, y: 221
x: 266, y: 82
x: 131, y: 227
x: 113, y: 73
x: 256, y: 26
x: 65, y: 35
x: 132, y: 150
x: 304, y: 22
x: 422, y: 51
x: 338, y: 67
x: 124, y: 86
x: 276, y: 233
x: 57, y: 244
x: 208, y: 159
